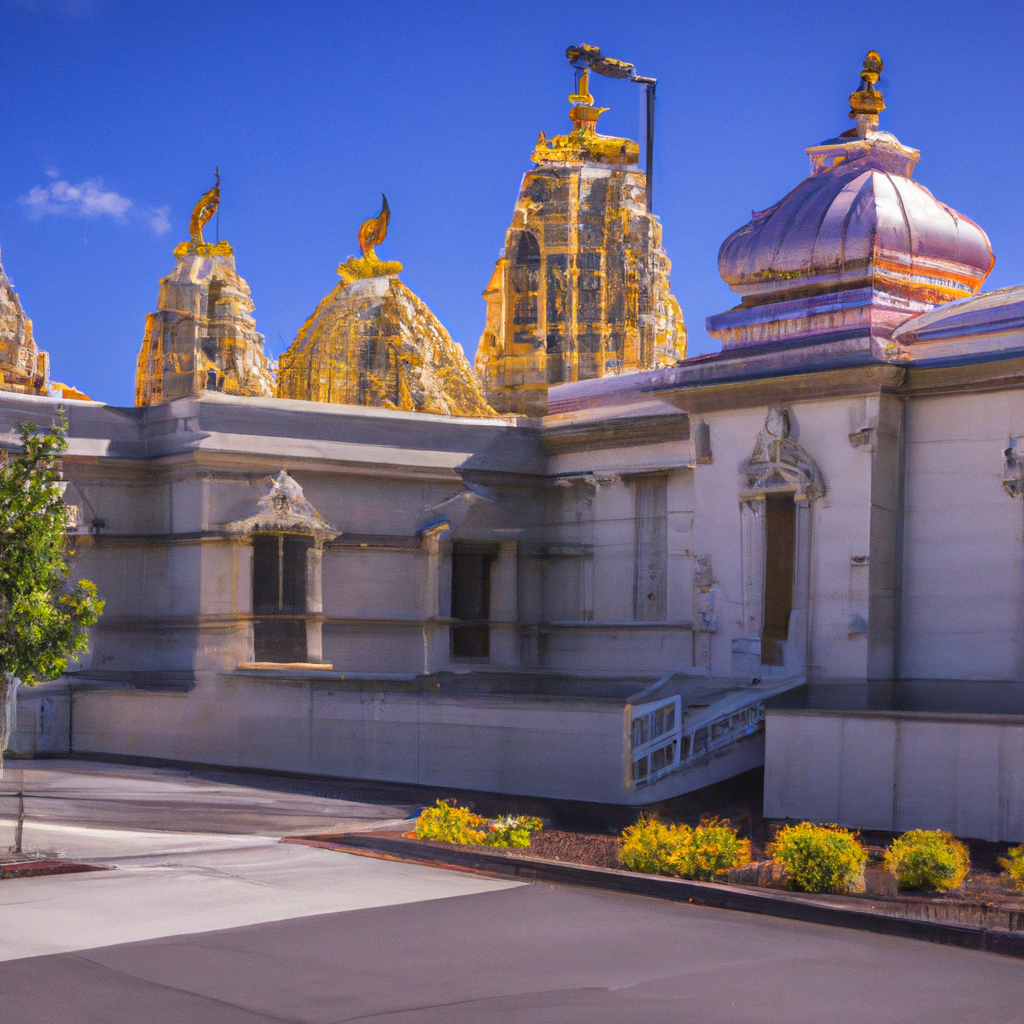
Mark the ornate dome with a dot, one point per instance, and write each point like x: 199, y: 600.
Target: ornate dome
x: 372, y: 342
x: 857, y: 247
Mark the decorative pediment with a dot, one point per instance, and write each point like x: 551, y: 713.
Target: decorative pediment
x: 779, y: 464
x: 283, y: 508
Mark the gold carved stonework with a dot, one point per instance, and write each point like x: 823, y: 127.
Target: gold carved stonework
x: 584, y: 144
x: 581, y: 289
x: 202, y: 336
x: 372, y: 342
x: 202, y: 249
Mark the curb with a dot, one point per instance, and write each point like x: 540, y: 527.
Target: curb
x: 35, y: 868
x: 810, y: 909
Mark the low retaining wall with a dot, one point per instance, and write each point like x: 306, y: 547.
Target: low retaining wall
x: 897, y: 770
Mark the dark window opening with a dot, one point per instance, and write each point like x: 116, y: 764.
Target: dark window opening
x: 780, y: 551
x: 279, y: 592
x: 528, y: 250
x: 471, y: 602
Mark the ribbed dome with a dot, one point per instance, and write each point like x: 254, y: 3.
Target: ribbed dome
x: 857, y: 223
x: 854, y: 250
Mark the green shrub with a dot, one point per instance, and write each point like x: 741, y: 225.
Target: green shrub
x: 928, y: 860
x: 511, y: 831
x: 819, y: 858
x: 450, y: 824
x: 1014, y: 864
x: 705, y: 852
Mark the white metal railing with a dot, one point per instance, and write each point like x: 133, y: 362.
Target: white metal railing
x: 660, y: 744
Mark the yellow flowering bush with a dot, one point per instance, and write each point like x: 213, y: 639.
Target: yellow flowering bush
x: 450, y: 824
x: 928, y: 860
x: 819, y: 858
x: 1014, y: 864
x: 649, y: 845
x: 705, y: 852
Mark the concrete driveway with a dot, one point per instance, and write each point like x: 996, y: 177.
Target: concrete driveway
x: 207, y: 927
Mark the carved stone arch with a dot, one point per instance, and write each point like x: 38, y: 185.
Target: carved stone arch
x: 777, y: 468
x: 779, y: 464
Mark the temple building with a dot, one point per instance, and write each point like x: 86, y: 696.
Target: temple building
x: 202, y: 336
x: 372, y: 342
x: 23, y: 368
x: 801, y: 553
x: 581, y: 289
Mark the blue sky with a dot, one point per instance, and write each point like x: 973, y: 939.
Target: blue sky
x: 114, y: 114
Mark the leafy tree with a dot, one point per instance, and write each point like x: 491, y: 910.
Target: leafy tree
x: 43, y: 615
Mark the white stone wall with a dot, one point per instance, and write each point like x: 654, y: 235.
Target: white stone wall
x: 893, y: 772
x: 963, y: 563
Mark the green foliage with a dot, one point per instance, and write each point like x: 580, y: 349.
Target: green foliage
x: 705, y: 852
x: 511, y: 831
x: 928, y: 860
x: 43, y: 616
x: 450, y: 824
x: 1014, y: 864
x: 819, y: 858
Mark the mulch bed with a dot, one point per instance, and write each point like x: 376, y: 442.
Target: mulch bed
x: 600, y: 851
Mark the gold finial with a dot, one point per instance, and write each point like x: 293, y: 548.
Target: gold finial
x: 371, y: 233
x: 583, y: 113
x: 375, y: 230
x: 867, y: 101
x: 582, y: 93
x: 204, y: 210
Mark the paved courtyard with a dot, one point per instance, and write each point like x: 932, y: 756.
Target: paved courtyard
x: 215, y: 921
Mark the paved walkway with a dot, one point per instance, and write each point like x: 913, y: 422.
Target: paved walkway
x: 238, y: 929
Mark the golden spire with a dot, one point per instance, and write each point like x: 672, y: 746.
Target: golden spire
x: 371, y: 233
x: 867, y: 103
x: 375, y: 230
x: 204, y: 210
x: 583, y: 113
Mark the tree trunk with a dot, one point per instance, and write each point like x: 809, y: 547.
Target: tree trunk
x: 8, y: 710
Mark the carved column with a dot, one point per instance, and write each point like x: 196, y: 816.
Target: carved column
x: 315, y: 603
x: 505, y: 606
x: 437, y: 598
x: 752, y: 565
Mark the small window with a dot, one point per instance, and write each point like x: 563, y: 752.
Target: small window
x: 471, y: 601
x: 279, y: 574
x: 279, y: 597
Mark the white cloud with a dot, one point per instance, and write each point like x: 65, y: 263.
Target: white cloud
x: 158, y: 219
x: 89, y: 199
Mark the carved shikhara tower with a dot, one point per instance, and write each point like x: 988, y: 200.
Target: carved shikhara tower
x: 202, y: 336
x: 23, y: 368
x: 581, y: 289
